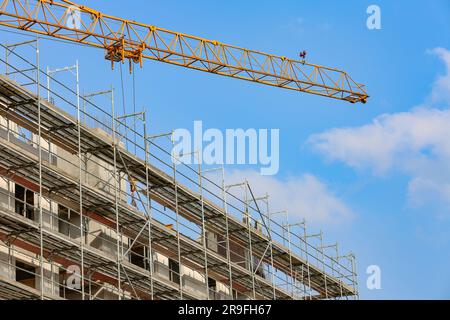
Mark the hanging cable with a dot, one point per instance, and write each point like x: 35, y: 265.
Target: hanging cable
x: 134, y: 110
x: 123, y: 103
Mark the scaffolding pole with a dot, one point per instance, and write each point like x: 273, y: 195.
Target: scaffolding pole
x: 174, y: 168
x: 203, y: 237
x: 227, y: 232
x: 250, y: 247
x: 271, y: 247
x: 41, y: 225
x: 148, y: 203
x: 116, y: 198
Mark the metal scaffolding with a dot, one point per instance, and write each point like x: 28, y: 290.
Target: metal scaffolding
x: 115, y: 224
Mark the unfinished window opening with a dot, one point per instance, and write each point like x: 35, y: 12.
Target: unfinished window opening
x: 212, y: 284
x: 69, y: 222
x: 24, y: 202
x: 174, y: 268
x: 139, y: 256
x: 64, y: 220
x: 26, y: 274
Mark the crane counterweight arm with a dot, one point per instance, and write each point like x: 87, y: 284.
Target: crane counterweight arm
x: 128, y: 40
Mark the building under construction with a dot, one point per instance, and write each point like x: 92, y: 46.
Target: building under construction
x: 93, y: 207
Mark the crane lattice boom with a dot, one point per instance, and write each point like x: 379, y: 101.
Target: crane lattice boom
x: 123, y: 39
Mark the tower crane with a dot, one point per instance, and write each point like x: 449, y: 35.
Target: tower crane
x: 129, y: 40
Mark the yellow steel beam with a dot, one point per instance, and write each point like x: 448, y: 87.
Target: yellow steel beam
x: 123, y: 39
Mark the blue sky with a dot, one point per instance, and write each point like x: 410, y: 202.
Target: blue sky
x: 391, y: 217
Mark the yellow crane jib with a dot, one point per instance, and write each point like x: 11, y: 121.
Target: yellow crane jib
x: 129, y: 40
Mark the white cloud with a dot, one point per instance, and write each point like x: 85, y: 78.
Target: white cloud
x: 441, y: 88
x: 303, y: 196
x: 416, y: 143
x: 405, y: 140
